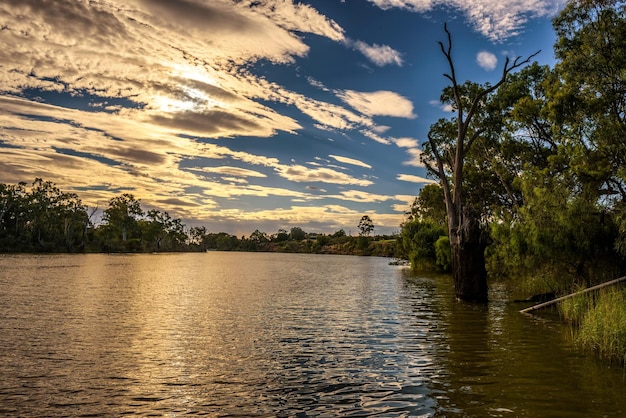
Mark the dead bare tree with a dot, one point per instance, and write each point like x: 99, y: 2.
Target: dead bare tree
x: 467, y: 238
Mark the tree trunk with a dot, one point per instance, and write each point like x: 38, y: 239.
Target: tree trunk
x: 468, y: 242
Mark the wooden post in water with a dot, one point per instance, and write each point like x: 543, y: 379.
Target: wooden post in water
x: 553, y: 301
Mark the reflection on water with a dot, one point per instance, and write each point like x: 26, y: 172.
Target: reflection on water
x: 245, y: 334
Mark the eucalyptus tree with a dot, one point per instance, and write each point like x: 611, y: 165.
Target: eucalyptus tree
x: 121, y: 221
x: 591, y: 95
x: 449, y: 144
x: 366, y: 226
x: 56, y: 219
x: 590, y: 99
x: 12, y: 215
x: 197, y: 235
x: 43, y: 218
x: 161, y: 232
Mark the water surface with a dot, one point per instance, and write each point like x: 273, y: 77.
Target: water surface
x: 264, y: 334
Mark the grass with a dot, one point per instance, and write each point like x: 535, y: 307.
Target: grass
x: 600, y: 322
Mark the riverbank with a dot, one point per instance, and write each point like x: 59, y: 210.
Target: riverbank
x: 361, y: 246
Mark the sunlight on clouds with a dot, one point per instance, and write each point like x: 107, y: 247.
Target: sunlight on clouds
x: 380, y: 55
x: 416, y: 157
x: 297, y: 17
x: 361, y: 196
x: 373, y: 135
x: 335, y: 217
x: 406, y: 142
x: 300, y: 173
x: 378, y: 103
x: 351, y: 161
x: 105, y: 97
x: 414, y: 179
x: 495, y: 19
x: 232, y: 171
x: 169, y: 105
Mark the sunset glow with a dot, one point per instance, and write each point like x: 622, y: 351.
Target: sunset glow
x: 243, y: 115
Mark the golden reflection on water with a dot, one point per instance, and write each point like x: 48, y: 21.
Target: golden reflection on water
x: 274, y: 335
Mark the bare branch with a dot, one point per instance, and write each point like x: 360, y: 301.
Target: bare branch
x: 447, y: 52
x: 505, y: 72
x: 441, y: 173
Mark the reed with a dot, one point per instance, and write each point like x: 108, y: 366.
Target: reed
x: 574, y: 309
x: 600, y: 322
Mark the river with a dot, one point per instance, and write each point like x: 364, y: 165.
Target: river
x: 285, y: 335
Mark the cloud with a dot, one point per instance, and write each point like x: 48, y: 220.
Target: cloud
x: 302, y: 174
x: 414, y: 179
x: 373, y: 135
x: 415, y: 157
x: 378, y: 103
x: 380, y: 55
x: 104, y: 97
x: 232, y: 171
x: 412, y: 149
x: 351, y: 161
x: 406, y: 142
x: 361, y: 196
x: 445, y: 107
x: 487, y: 60
x: 298, y: 17
x: 495, y: 19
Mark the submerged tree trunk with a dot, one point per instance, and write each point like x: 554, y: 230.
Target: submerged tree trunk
x: 467, y: 244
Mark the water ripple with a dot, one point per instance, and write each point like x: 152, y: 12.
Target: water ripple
x: 269, y: 335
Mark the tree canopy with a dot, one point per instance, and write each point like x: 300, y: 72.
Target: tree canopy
x: 542, y: 161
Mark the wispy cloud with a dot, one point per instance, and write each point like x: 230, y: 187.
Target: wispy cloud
x: 378, y: 103
x: 233, y: 171
x: 380, y: 55
x: 414, y: 179
x: 300, y: 174
x: 495, y: 19
x: 352, y: 161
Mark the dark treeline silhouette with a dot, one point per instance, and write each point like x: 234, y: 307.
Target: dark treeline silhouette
x: 43, y: 218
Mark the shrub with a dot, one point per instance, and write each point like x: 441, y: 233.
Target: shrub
x: 443, y: 253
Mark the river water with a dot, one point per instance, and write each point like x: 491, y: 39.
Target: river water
x: 286, y: 335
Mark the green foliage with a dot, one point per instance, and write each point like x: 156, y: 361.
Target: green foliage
x: 417, y: 244
x: 429, y: 205
x: 297, y: 234
x: 421, y: 236
x: 281, y: 236
x: 560, y: 233
x: 543, y: 159
x: 442, y: 253
x: 121, y: 224
x: 574, y: 309
x: 41, y: 219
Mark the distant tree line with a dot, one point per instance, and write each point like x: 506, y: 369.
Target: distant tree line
x: 43, y: 218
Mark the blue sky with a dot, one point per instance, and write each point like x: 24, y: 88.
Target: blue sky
x: 244, y: 115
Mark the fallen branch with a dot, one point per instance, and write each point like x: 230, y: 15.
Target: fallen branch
x: 571, y: 295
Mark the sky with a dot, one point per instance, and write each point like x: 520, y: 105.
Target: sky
x: 245, y: 114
